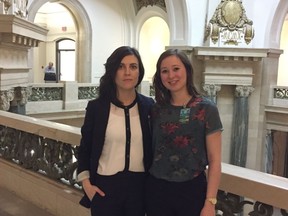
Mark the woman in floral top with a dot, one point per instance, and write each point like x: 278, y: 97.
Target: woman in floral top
x: 186, y: 139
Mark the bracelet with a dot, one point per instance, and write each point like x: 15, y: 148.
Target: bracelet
x: 213, y: 201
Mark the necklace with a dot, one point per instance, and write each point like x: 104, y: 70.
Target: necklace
x: 184, y: 105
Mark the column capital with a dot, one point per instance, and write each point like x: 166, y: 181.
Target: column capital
x: 21, y: 95
x: 211, y: 89
x: 243, y: 91
x: 5, y: 97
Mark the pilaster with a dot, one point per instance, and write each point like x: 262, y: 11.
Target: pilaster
x: 239, y: 141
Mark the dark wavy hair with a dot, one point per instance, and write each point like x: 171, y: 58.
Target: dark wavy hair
x: 162, y: 94
x: 108, y: 88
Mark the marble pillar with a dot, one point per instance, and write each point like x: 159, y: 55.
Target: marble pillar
x: 268, y: 152
x: 240, y: 126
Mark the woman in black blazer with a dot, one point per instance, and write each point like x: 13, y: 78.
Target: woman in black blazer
x: 115, y: 150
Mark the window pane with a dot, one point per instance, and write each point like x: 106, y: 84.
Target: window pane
x: 66, y: 44
x: 67, y: 65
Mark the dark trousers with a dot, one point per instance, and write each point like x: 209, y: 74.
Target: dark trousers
x: 124, y: 195
x: 50, y: 77
x: 164, y: 198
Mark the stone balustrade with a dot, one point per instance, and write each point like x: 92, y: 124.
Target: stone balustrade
x: 38, y: 150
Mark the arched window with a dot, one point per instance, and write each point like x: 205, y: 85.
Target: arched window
x: 65, y: 59
x: 154, y: 36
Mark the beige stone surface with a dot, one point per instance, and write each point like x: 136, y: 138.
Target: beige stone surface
x: 57, y: 131
x: 56, y: 198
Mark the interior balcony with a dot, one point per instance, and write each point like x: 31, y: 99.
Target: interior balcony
x: 39, y: 157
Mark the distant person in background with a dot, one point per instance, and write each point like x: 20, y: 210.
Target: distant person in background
x: 50, y: 73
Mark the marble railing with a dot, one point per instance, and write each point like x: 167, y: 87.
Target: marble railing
x: 83, y: 91
x: 65, y: 96
x: 281, y: 92
x: 74, y: 96
x: 50, y: 149
x: 280, y: 96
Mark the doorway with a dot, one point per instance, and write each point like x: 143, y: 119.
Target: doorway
x: 65, y: 60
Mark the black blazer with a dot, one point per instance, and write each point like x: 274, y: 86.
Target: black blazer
x: 93, y: 136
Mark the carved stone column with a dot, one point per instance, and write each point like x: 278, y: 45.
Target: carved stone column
x: 240, y: 126
x: 269, y: 152
x: 211, y: 90
x: 5, y: 97
x: 20, y: 100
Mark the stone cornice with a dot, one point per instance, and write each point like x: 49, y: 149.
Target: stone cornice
x: 230, y: 54
x: 22, y: 30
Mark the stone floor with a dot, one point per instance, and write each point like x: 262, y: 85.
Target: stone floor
x: 13, y: 205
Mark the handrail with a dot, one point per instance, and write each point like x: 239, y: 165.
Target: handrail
x: 254, y: 185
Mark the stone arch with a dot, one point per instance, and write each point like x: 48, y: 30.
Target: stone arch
x: 178, y: 22
x: 144, y: 14
x: 84, y: 35
x: 274, y: 31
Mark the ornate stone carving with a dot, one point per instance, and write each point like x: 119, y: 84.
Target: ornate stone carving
x: 211, y: 89
x: 243, y: 91
x: 145, y: 3
x: 281, y: 93
x: 46, y: 94
x: 5, y: 97
x: 21, y: 95
x: 6, y: 4
x: 230, y: 24
x: 88, y: 92
x: 51, y: 158
x: 19, y: 7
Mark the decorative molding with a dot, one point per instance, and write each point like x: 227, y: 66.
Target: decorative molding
x: 211, y: 89
x: 218, y: 61
x: 14, y: 29
x: 5, y: 97
x: 19, y: 40
x: 15, y: 7
x: 243, y: 91
x: 20, y: 8
x: 88, y: 92
x: 46, y: 94
x: 229, y: 26
x: 281, y: 93
x: 230, y: 54
x: 21, y: 95
x: 5, y: 6
x: 145, y: 3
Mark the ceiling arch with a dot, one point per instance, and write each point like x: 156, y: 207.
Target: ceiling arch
x: 84, y: 34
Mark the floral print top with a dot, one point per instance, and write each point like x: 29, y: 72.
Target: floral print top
x: 179, y: 138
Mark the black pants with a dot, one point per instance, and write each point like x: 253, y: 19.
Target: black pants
x: 164, y: 198
x: 124, y: 195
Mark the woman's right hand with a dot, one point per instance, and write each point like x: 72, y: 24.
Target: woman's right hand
x: 90, y: 189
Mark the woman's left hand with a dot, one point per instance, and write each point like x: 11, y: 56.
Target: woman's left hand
x: 208, y: 209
